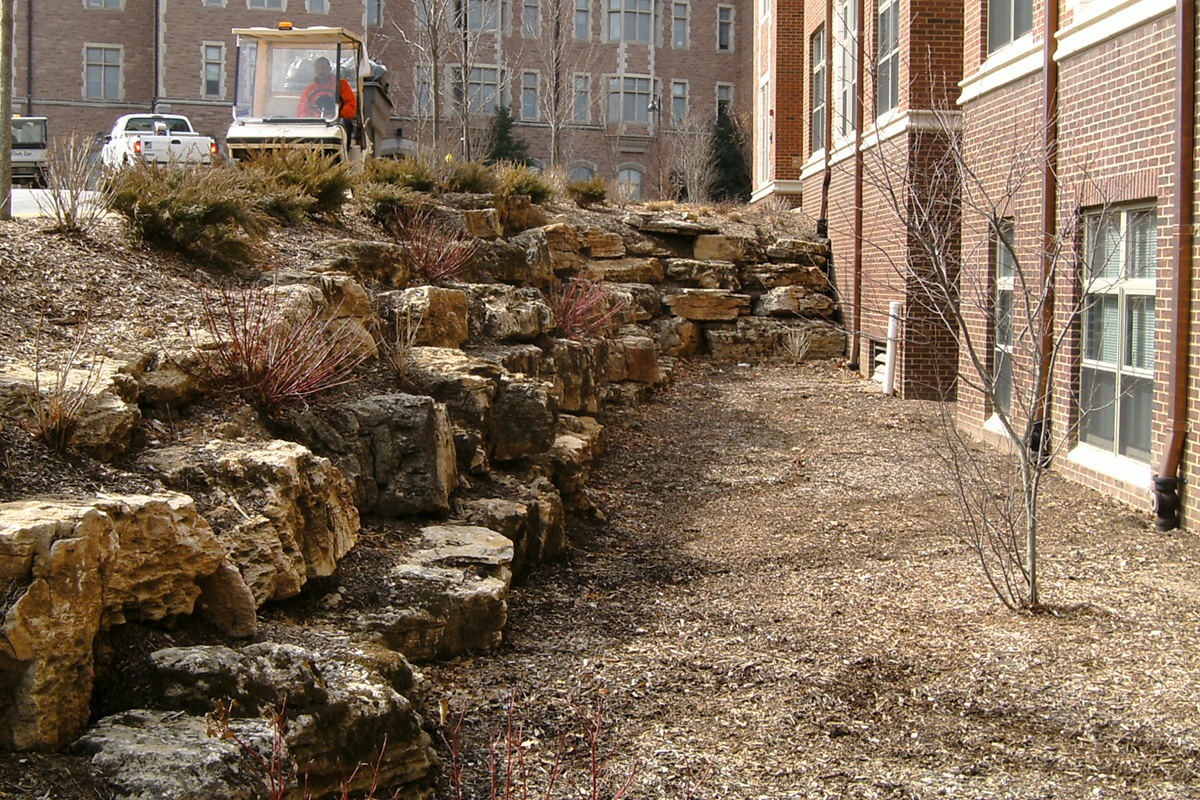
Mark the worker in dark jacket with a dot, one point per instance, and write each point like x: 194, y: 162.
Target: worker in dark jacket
x: 322, y: 98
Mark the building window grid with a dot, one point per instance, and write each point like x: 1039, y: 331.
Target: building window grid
x: 583, y: 20
x: 214, y: 69
x: 1007, y: 21
x: 629, y: 20
x: 630, y: 181
x: 102, y: 72
x: 110, y: 5
x: 214, y: 3
x: 845, y: 64
x: 530, y: 111
x: 887, y: 65
x: 725, y: 29
x: 1002, y: 315
x: 423, y: 99
x: 485, y: 16
x: 680, y: 13
x: 1116, y: 379
x: 267, y: 5
x: 819, y: 106
x: 482, y: 90
x: 582, y: 104
x: 724, y: 97
x: 679, y: 102
x: 531, y: 19
x: 629, y: 98
x: 318, y: 6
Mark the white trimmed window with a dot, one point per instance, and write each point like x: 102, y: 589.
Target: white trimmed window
x: 423, y: 96
x: 267, y: 5
x: 318, y: 6
x: 530, y: 111
x: 629, y: 98
x: 583, y: 20
x: 531, y: 18
x: 630, y: 181
x: 112, y: 5
x: 213, y: 54
x: 725, y: 29
x: 582, y: 102
x: 629, y: 20
x: 1002, y: 315
x: 819, y: 107
x: 724, y: 97
x: 214, y: 3
x: 887, y: 65
x: 375, y: 13
x: 102, y: 72
x: 680, y: 13
x: 582, y: 171
x: 1008, y: 20
x: 679, y: 102
x: 845, y: 64
x: 482, y: 89
x: 481, y: 15
x: 1116, y: 378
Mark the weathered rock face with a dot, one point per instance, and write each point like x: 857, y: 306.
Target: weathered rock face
x: 341, y: 703
x: 570, y: 366
x: 538, y: 271
x: 508, y: 518
x: 103, y: 400
x: 170, y: 376
x: 375, y: 262
x: 794, y: 301
x: 708, y: 305
x: 466, y: 386
x: 798, y: 250
x: 523, y: 417
x: 574, y: 450
x: 505, y: 313
x: 564, y: 247
x: 762, y: 337
x: 642, y: 301
x: 440, y: 315
x: 602, y: 244
x: 396, y: 450
x: 771, y: 276
x: 738, y: 249
x: 514, y: 212
x: 85, y: 566
x: 448, y: 596
x: 677, y: 337
x: 703, y: 274
x: 482, y: 223
x: 625, y: 270
x: 304, y: 518
x: 671, y: 224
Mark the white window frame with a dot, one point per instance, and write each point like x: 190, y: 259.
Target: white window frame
x: 627, y: 14
x: 324, y: 10
x: 686, y: 19
x: 531, y: 19
x: 266, y: 5
x: 845, y: 76
x: 619, y: 86
x: 717, y: 98
x: 463, y: 88
x: 213, y: 3
x: 205, y: 62
x: 818, y: 106
x: 1123, y: 287
x: 483, y: 16
x: 1004, y: 286
x: 582, y: 18
x: 104, y: 5
x: 726, y: 24
x: 120, y: 67
x: 764, y: 130
x: 537, y: 95
x: 677, y: 118
x: 887, y: 56
x: 587, y: 111
x: 1001, y: 30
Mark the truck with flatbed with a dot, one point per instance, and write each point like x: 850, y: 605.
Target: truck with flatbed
x: 159, y: 139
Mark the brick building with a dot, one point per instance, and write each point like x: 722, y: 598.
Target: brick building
x: 629, y: 71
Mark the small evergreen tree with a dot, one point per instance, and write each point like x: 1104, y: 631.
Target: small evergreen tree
x: 502, y: 144
x: 730, y: 155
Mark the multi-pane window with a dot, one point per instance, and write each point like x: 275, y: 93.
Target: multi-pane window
x: 1008, y: 20
x: 214, y: 67
x: 481, y: 15
x: 113, y: 4
x: 529, y: 96
x: 629, y: 99
x: 375, y: 13
x: 270, y: 5
x: 581, y: 172
x: 846, y: 68
x: 318, y: 6
x: 725, y: 28
x: 679, y: 25
x: 483, y: 88
x: 629, y: 20
x: 582, y: 104
x: 1116, y: 378
x: 630, y: 182
x: 764, y: 132
x: 102, y: 71
x: 679, y: 101
x: 887, y: 73
x: 1002, y: 316
x: 583, y: 19
x: 531, y: 19
x: 724, y: 98
x: 819, y: 107
x: 214, y: 3
x: 423, y: 80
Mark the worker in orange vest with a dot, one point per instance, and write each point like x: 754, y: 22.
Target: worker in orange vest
x: 321, y: 97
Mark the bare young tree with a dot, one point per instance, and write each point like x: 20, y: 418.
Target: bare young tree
x: 1004, y: 302
x: 690, y: 162
x: 430, y: 43
x: 560, y: 58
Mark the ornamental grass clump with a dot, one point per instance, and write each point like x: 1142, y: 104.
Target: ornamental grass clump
x: 583, y: 309
x: 437, y: 251
x: 385, y: 202
x: 57, y: 405
x: 305, y: 172
x: 271, y: 359
x: 408, y: 172
x: 518, y: 179
x: 593, y: 191
x: 208, y: 213
x: 471, y: 177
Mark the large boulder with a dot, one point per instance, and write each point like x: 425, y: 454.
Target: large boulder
x: 482, y: 223
x: 397, y: 450
x: 677, y: 337
x: 703, y: 274
x: 571, y: 367
x: 672, y: 224
x: 771, y: 276
x: 564, y: 247
x: 304, y: 519
x: 625, y: 270
x: 794, y: 301
x: 753, y: 338
x: 503, y: 313
x: 799, y: 251
x: 708, y: 305
x: 466, y: 386
x: 439, y: 315
x: 602, y: 244
x: 642, y: 301
x: 522, y: 359
x: 575, y: 448
x: 522, y: 421
x: 509, y: 518
x: 383, y: 263
x: 738, y: 249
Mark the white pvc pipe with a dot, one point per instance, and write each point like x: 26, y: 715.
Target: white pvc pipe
x: 889, y: 367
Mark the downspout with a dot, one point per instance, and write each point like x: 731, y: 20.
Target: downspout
x: 1167, y: 480
x: 859, y: 107
x: 1038, y: 434
x: 827, y: 176
x: 29, y: 58
x: 157, y: 54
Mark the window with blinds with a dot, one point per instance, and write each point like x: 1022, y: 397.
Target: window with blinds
x: 1116, y: 380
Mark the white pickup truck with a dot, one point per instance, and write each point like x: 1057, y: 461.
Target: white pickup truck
x: 156, y: 139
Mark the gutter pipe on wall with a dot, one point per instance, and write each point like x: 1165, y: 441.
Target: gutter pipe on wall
x: 29, y: 59
x: 859, y: 57
x: 1168, y: 480
x: 823, y: 217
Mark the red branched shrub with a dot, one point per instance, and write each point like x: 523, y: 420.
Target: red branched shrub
x: 437, y: 251
x: 583, y: 309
